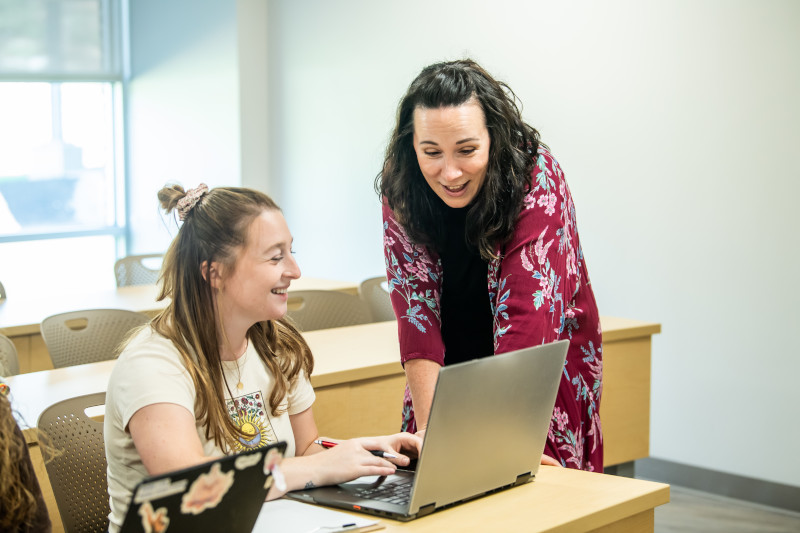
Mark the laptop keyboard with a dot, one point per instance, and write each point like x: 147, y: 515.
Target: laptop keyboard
x: 395, y: 491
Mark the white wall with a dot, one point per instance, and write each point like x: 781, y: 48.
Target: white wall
x: 183, y: 106
x: 677, y: 125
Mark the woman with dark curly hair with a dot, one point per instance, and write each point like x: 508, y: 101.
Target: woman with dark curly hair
x: 22, y: 507
x: 482, y: 249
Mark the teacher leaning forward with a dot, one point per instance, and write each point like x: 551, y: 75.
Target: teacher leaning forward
x: 482, y: 250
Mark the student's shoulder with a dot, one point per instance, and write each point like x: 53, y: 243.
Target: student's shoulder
x: 146, y: 348
x: 145, y: 338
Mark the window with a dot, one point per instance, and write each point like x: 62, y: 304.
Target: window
x: 57, y: 158
x: 61, y: 179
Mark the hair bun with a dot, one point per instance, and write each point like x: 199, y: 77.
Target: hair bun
x: 193, y: 196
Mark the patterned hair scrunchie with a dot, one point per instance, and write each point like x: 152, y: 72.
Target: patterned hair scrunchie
x: 4, y: 388
x: 193, y: 196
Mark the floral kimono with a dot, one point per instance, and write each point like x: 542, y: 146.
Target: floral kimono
x: 539, y: 291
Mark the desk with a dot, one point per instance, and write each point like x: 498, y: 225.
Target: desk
x: 558, y: 500
x: 21, y: 316
x: 367, y: 373
x: 359, y: 365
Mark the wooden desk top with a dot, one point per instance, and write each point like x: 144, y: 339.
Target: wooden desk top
x: 341, y: 355
x: 376, y: 351
x: 21, y: 315
x: 618, y: 329
x: 354, y: 353
x: 558, y: 500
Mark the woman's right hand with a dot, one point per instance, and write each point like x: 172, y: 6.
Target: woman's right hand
x: 351, y: 459
x: 346, y: 461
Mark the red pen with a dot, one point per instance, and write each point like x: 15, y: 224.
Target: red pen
x: 378, y: 453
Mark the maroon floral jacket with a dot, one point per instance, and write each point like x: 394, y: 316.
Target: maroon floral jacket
x: 539, y: 291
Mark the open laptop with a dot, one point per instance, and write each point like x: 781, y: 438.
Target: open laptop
x: 225, y: 494
x: 486, y: 431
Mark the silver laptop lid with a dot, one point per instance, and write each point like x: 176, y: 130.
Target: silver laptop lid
x: 490, y: 417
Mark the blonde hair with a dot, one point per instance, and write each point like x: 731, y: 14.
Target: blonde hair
x: 215, y: 228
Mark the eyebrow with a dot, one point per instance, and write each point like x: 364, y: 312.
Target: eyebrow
x: 462, y: 141
x: 279, y: 245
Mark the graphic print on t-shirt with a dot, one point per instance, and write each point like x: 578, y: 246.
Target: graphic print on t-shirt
x: 250, y: 416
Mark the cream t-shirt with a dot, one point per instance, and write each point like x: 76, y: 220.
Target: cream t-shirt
x: 150, y: 370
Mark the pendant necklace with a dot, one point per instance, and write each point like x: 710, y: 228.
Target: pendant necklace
x: 239, y: 384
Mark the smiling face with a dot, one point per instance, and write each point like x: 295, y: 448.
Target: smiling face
x: 256, y: 289
x: 452, y: 146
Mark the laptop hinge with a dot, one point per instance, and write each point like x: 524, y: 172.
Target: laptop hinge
x: 523, y: 478
x: 426, y: 509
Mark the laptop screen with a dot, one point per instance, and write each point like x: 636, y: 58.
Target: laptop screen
x: 225, y: 494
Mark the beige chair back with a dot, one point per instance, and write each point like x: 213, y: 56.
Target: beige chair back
x: 312, y: 310
x: 75, y: 460
x: 81, y: 337
x: 9, y: 363
x: 138, y: 269
x: 377, y: 298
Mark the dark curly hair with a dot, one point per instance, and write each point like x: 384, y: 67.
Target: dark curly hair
x: 18, y: 502
x: 492, y: 214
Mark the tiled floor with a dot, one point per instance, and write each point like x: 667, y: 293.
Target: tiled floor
x: 692, y: 511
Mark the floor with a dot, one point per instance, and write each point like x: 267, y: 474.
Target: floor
x: 695, y: 511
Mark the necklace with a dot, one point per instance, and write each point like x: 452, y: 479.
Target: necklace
x: 239, y: 384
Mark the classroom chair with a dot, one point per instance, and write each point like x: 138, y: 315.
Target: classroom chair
x: 75, y: 458
x: 87, y: 336
x: 377, y: 297
x: 9, y: 363
x: 311, y: 310
x: 138, y: 269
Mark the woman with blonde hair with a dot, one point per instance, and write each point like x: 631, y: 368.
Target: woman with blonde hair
x: 220, y: 370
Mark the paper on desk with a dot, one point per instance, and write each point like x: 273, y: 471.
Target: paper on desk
x: 291, y: 516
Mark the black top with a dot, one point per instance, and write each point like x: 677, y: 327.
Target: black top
x: 466, y: 313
